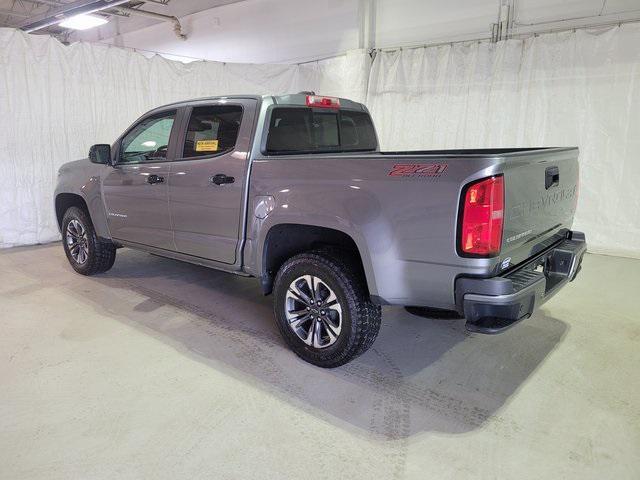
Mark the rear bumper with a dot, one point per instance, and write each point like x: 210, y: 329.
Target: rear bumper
x: 491, y: 305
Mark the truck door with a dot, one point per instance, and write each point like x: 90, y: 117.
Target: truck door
x: 135, y: 190
x: 207, y: 179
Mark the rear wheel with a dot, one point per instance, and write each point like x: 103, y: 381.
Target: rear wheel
x: 323, y: 309
x: 86, y: 253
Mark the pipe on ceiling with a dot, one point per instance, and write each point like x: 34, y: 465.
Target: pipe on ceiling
x: 177, y: 28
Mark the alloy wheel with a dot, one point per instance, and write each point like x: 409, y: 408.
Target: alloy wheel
x: 77, y: 242
x: 313, y: 311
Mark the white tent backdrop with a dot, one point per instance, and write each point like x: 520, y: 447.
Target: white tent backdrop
x: 56, y: 101
x: 576, y: 88
x: 580, y: 88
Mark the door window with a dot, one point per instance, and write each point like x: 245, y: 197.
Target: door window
x: 148, y: 141
x: 212, y: 130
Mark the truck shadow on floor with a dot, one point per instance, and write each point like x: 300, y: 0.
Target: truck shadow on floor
x: 421, y: 374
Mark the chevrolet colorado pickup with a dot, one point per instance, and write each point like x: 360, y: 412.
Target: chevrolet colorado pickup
x: 293, y: 190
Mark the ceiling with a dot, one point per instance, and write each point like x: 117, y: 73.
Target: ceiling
x: 17, y: 13
x: 415, y: 22
x: 286, y: 31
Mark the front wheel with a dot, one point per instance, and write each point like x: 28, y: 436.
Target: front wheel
x: 86, y: 252
x: 323, y: 309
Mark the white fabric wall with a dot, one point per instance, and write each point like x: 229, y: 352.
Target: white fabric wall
x: 56, y: 101
x: 579, y: 88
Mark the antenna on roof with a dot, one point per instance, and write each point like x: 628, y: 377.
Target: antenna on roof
x: 306, y: 93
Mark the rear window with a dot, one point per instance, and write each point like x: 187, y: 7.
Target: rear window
x: 304, y: 130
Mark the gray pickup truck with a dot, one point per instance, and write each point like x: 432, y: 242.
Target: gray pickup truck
x: 293, y: 190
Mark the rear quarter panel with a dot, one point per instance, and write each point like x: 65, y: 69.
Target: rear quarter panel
x: 403, y: 225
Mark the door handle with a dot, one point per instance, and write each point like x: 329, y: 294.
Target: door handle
x: 551, y: 177
x: 155, y: 179
x: 220, y: 179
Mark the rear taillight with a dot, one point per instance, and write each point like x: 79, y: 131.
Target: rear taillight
x: 317, y: 101
x: 482, y: 217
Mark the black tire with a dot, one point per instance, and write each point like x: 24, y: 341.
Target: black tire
x: 101, y: 254
x: 360, y: 318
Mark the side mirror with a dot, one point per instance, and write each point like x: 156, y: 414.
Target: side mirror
x: 100, y: 153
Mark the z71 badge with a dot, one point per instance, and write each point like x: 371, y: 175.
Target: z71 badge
x: 418, y: 170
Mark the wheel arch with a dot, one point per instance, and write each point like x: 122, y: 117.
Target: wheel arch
x: 285, y: 240
x: 64, y: 201
x: 91, y: 202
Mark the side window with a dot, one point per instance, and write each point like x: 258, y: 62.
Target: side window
x: 148, y: 141
x: 212, y: 130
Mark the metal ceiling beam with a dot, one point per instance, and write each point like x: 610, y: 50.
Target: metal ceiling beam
x: 67, y: 10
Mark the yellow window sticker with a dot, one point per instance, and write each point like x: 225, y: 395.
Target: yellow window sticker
x: 207, y: 146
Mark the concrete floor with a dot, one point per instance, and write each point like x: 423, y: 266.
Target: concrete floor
x: 160, y: 369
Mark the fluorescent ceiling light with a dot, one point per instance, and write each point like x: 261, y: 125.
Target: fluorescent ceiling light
x: 83, y: 22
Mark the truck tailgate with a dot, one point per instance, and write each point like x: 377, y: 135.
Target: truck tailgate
x: 541, y: 190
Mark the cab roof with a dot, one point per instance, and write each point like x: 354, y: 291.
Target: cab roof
x: 297, y: 99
